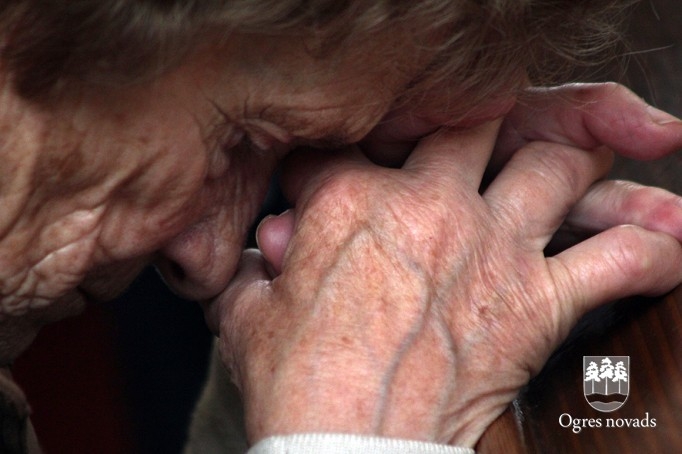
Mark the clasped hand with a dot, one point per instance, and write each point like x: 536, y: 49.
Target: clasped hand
x: 409, y: 302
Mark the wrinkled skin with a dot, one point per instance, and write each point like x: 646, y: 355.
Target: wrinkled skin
x: 99, y: 181
x: 403, y: 303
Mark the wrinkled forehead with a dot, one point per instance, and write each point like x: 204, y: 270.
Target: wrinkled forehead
x: 333, y: 97
x: 330, y: 97
x: 298, y: 87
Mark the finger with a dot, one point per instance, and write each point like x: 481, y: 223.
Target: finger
x: 273, y: 235
x: 539, y: 186
x: 587, y: 116
x: 250, y: 279
x: 611, y: 203
x: 620, y: 262
x: 392, y: 140
x: 305, y: 167
x: 455, y: 154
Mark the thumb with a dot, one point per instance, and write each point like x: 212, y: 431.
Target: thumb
x: 273, y: 235
x: 237, y: 315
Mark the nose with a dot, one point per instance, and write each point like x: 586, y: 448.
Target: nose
x: 199, y: 263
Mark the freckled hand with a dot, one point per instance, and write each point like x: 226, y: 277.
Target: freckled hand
x: 400, y: 290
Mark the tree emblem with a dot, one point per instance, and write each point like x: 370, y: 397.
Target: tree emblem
x: 620, y: 374
x: 606, y: 372
x: 592, y: 374
x: 598, y: 371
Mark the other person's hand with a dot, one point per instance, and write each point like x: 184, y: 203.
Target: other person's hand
x: 580, y: 115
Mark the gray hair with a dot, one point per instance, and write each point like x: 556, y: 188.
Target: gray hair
x: 483, y: 43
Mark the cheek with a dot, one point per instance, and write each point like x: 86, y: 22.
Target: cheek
x: 86, y: 200
x: 107, y: 282
x: 165, y: 195
x: 149, y: 146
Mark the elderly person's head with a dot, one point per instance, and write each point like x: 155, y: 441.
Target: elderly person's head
x: 141, y: 130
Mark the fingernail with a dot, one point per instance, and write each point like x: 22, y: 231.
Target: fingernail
x: 259, y: 226
x: 662, y: 118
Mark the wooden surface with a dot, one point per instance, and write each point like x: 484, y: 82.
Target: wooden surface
x: 649, y: 331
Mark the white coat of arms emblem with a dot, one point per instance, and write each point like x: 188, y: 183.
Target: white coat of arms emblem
x: 606, y: 383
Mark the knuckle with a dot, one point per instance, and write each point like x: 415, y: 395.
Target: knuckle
x: 343, y: 187
x: 614, y: 89
x: 656, y: 206
x: 557, y: 164
x: 637, y: 198
x: 633, y: 253
x: 566, y: 169
x: 588, y: 93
